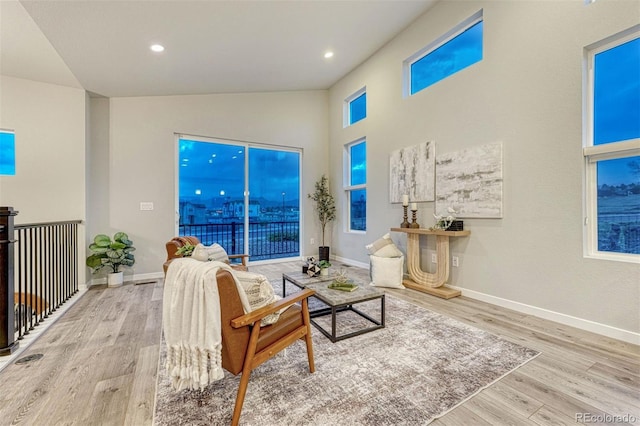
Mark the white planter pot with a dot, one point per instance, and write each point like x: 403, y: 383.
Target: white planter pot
x: 324, y: 271
x: 115, y: 279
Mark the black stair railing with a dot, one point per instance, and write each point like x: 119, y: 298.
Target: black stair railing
x: 42, y: 276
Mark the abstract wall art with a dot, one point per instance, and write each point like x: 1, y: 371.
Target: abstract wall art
x: 412, y: 172
x: 470, y: 181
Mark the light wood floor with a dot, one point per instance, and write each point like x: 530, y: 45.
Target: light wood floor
x: 100, y: 360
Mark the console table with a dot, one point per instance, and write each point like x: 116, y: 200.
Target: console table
x: 424, y: 281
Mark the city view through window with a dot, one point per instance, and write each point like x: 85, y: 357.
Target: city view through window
x: 213, y: 178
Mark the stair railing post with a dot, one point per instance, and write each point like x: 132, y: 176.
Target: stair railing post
x: 8, y: 342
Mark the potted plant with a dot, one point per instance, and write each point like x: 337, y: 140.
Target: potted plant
x: 325, y: 209
x: 111, y: 254
x: 324, y: 267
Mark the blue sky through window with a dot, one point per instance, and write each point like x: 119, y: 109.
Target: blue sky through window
x: 358, y: 176
x: 616, y: 108
x: 217, y: 170
x: 358, y: 154
x: 358, y: 108
x: 7, y: 153
x: 616, y: 118
x: 455, y: 55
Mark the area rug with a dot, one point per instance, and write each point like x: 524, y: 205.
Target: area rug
x: 418, y: 368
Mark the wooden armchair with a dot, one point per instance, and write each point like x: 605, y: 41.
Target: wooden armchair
x: 177, y: 242
x: 246, y: 345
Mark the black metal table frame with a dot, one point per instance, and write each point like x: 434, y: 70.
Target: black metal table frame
x: 333, y: 311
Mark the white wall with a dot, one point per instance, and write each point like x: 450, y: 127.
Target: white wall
x: 527, y: 93
x: 49, y: 121
x: 142, y: 155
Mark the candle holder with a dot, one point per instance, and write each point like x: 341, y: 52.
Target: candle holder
x: 405, y: 222
x: 413, y: 223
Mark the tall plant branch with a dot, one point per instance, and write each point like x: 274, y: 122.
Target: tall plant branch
x: 325, y: 203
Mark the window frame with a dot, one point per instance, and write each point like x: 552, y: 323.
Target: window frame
x: 592, y: 154
x: 434, y: 45
x: 348, y: 188
x: 346, y: 107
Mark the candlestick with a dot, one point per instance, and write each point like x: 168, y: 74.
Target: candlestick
x: 413, y: 224
x: 405, y: 222
x: 405, y: 200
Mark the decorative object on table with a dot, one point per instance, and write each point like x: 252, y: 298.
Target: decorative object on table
x: 312, y: 267
x: 414, y: 210
x: 446, y: 223
x: 342, y: 282
x: 412, y: 171
x: 324, y: 267
x: 325, y: 210
x: 456, y: 225
x: 111, y: 254
x: 405, y: 205
x: 471, y: 180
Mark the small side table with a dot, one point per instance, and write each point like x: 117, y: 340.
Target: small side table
x: 424, y: 281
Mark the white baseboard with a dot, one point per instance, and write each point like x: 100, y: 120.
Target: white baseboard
x: 581, y: 323
x: 351, y: 262
x: 127, y: 279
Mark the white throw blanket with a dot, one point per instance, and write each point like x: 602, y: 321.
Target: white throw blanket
x: 191, y: 323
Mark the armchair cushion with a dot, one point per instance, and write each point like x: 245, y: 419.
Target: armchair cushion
x: 213, y: 252
x: 260, y: 293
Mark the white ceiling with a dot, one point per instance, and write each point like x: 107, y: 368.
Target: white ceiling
x: 212, y: 46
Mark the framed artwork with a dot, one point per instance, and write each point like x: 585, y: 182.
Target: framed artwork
x: 412, y: 173
x: 470, y: 181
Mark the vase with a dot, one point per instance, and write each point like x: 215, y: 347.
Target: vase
x: 115, y: 279
x: 324, y: 272
x: 323, y: 253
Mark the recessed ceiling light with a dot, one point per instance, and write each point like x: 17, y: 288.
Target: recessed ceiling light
x: 157, y: 48
x: 328, y: 54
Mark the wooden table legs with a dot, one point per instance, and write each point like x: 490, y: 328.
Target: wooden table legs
x: 424, y: 281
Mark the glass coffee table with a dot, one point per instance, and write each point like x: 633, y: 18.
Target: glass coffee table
x: 337, y: 301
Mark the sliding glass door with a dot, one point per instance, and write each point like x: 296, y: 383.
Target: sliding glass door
x: 243, y: 197
x: 274, y: 190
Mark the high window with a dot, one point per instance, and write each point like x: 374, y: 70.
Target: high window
x: 355, y: 107
x: 612, y: 148
x: 356, y: 185
x: 7, y: 152
x: 456, y: 50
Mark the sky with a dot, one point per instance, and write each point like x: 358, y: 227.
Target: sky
x: 617, y: 107
x: 217, y: 171
x: 7, y: 153
x: 458, y: 53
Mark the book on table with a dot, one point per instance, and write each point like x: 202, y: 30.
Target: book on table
x: 343, y: 286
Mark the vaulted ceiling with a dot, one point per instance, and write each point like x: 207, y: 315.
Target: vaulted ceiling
x: 210, y: 46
